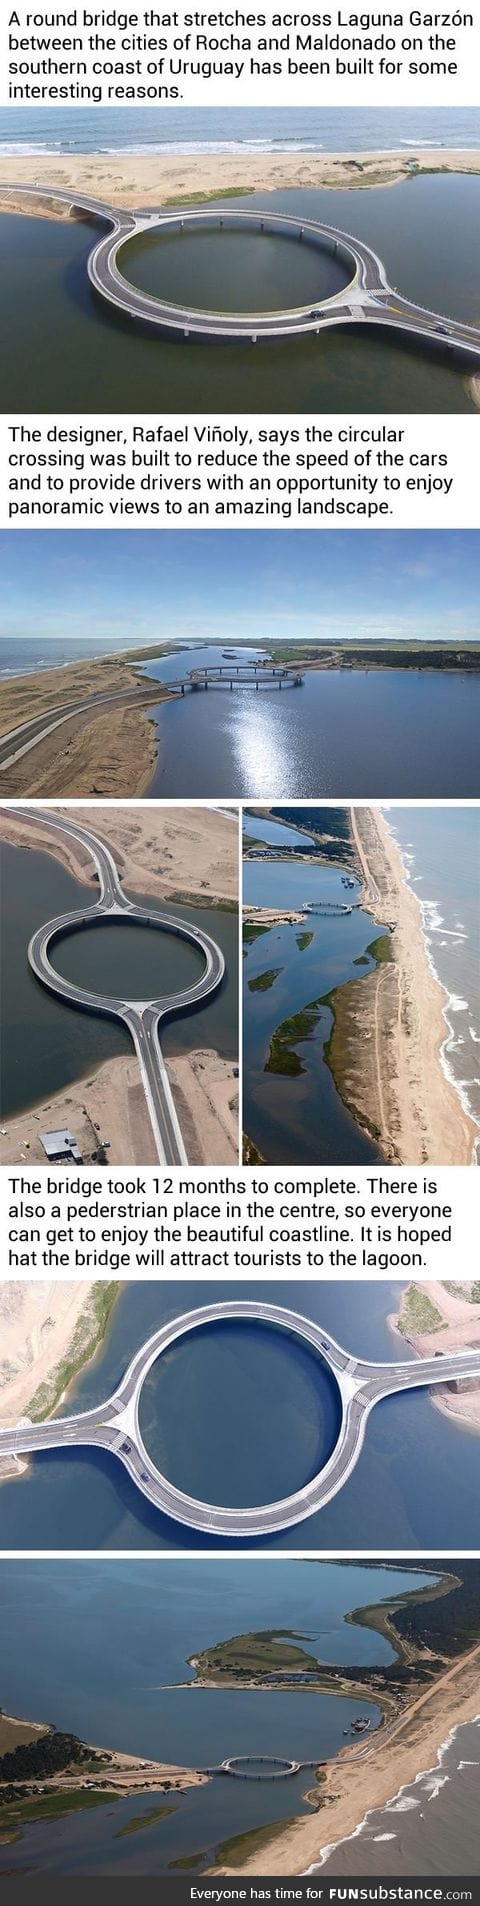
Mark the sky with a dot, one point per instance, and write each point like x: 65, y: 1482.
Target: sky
x: 148, y: 585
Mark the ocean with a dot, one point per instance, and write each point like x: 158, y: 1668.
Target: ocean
x: 171, y: 129
x: 441, y: 853
x: 430, y: 1826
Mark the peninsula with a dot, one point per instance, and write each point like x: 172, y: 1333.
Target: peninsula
x: 133, y: 178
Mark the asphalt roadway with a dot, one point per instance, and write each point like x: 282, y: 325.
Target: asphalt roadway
x: 114, y: 1425
x: 142, y: 1017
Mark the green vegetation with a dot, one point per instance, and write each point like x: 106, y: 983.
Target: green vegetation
x: 470, y: 1292
x: 88, y: 1334
x: 207, y: 198
x: 252, y: 932
x: 142, y: 1820
x: 187, y: 1863
x: 304, y: 940
x: 263, y: 981
x: 250, y: 1154
x: 371, y: 654
x: 331, y: 821
x: 282, y: 1056
x: 29, y: 1811
x: 199, y: 899
x: 418, y: 1313
x: 233, y: 1852
x: 256, y: 1653
x: 380, y: 950
x: 51, y: 1753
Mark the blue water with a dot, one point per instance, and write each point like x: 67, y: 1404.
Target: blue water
x: 441, y: 850
x: 96, y: 1646
x: 418, y: 1471
x: 299, y: 1120
x: 170, y: 129
x: 399, y: 734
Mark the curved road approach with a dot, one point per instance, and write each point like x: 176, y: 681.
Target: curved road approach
x: 367, y: 298
x: 141, y: 1017
x: 114, y: 1425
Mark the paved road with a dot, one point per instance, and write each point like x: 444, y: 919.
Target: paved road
x: 368, y: 297
x: 28, y: 734
x: 114, y: 1425
x: 142, y: 1017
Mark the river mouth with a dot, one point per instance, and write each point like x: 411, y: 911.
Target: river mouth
x: 123, y: 961
x: 228, y: 271
x: 239, y: 1414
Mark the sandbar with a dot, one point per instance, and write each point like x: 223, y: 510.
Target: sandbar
x: 364, y: 1777
x: 135, y: 179
x: 457, y: 1309
x: 390, y: 1027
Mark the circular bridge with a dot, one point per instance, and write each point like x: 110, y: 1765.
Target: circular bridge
x: 142, y: 1018
x: 367, y: 298
x: 259, y: 1767
x: 105, y: 273
x: 114, y: 1424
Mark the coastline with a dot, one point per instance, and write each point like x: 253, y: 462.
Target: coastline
x: 50, y: 1333
x: 154, y: 178
x: 90, y: 753
x: 450, y: 1031
x: 300, y: 1847
x: 388, y: 1037
x: 458, y: 1328
x: 422, y: 1774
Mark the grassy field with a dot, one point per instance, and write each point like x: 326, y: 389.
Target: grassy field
x: 263, y: 981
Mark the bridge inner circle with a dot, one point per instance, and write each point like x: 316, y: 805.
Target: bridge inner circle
x: 152, y: 960
x: 307, y: 231
x: 236, y: 267
x: 191, y: 1508
x: 58, y: 930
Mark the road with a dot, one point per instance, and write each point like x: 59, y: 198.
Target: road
x: 142, y: 1018
x: 114, y: 1425
x: 367, y: 297
x: 28, y: 734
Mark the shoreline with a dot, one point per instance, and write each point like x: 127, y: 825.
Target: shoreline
x: 296, y: 1849
x: 458, y: 1328
x: 450, y: 1033
x: 421, y: 1775
x: 73, y: 1338
x: 401, y: 1007
x: 123, y: 177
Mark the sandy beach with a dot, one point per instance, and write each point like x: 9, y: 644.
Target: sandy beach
x: 458, y: 1328
x: 96, y: 752
x: 150, y: 179
x: 390, y: 1027
x: 365, y: 1777
x: 190, y: 853
x: 38, y: 1322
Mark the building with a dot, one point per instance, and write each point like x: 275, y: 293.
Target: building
x: 61, y: 1145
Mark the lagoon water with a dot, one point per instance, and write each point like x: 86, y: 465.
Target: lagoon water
x: 416, y: 1468
x: 98, y: 1646
x: 100, y: 362
x: 299, y: 1120
x: 392, y: 733
x: 302, y: 1120
x: 46, y: 1045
